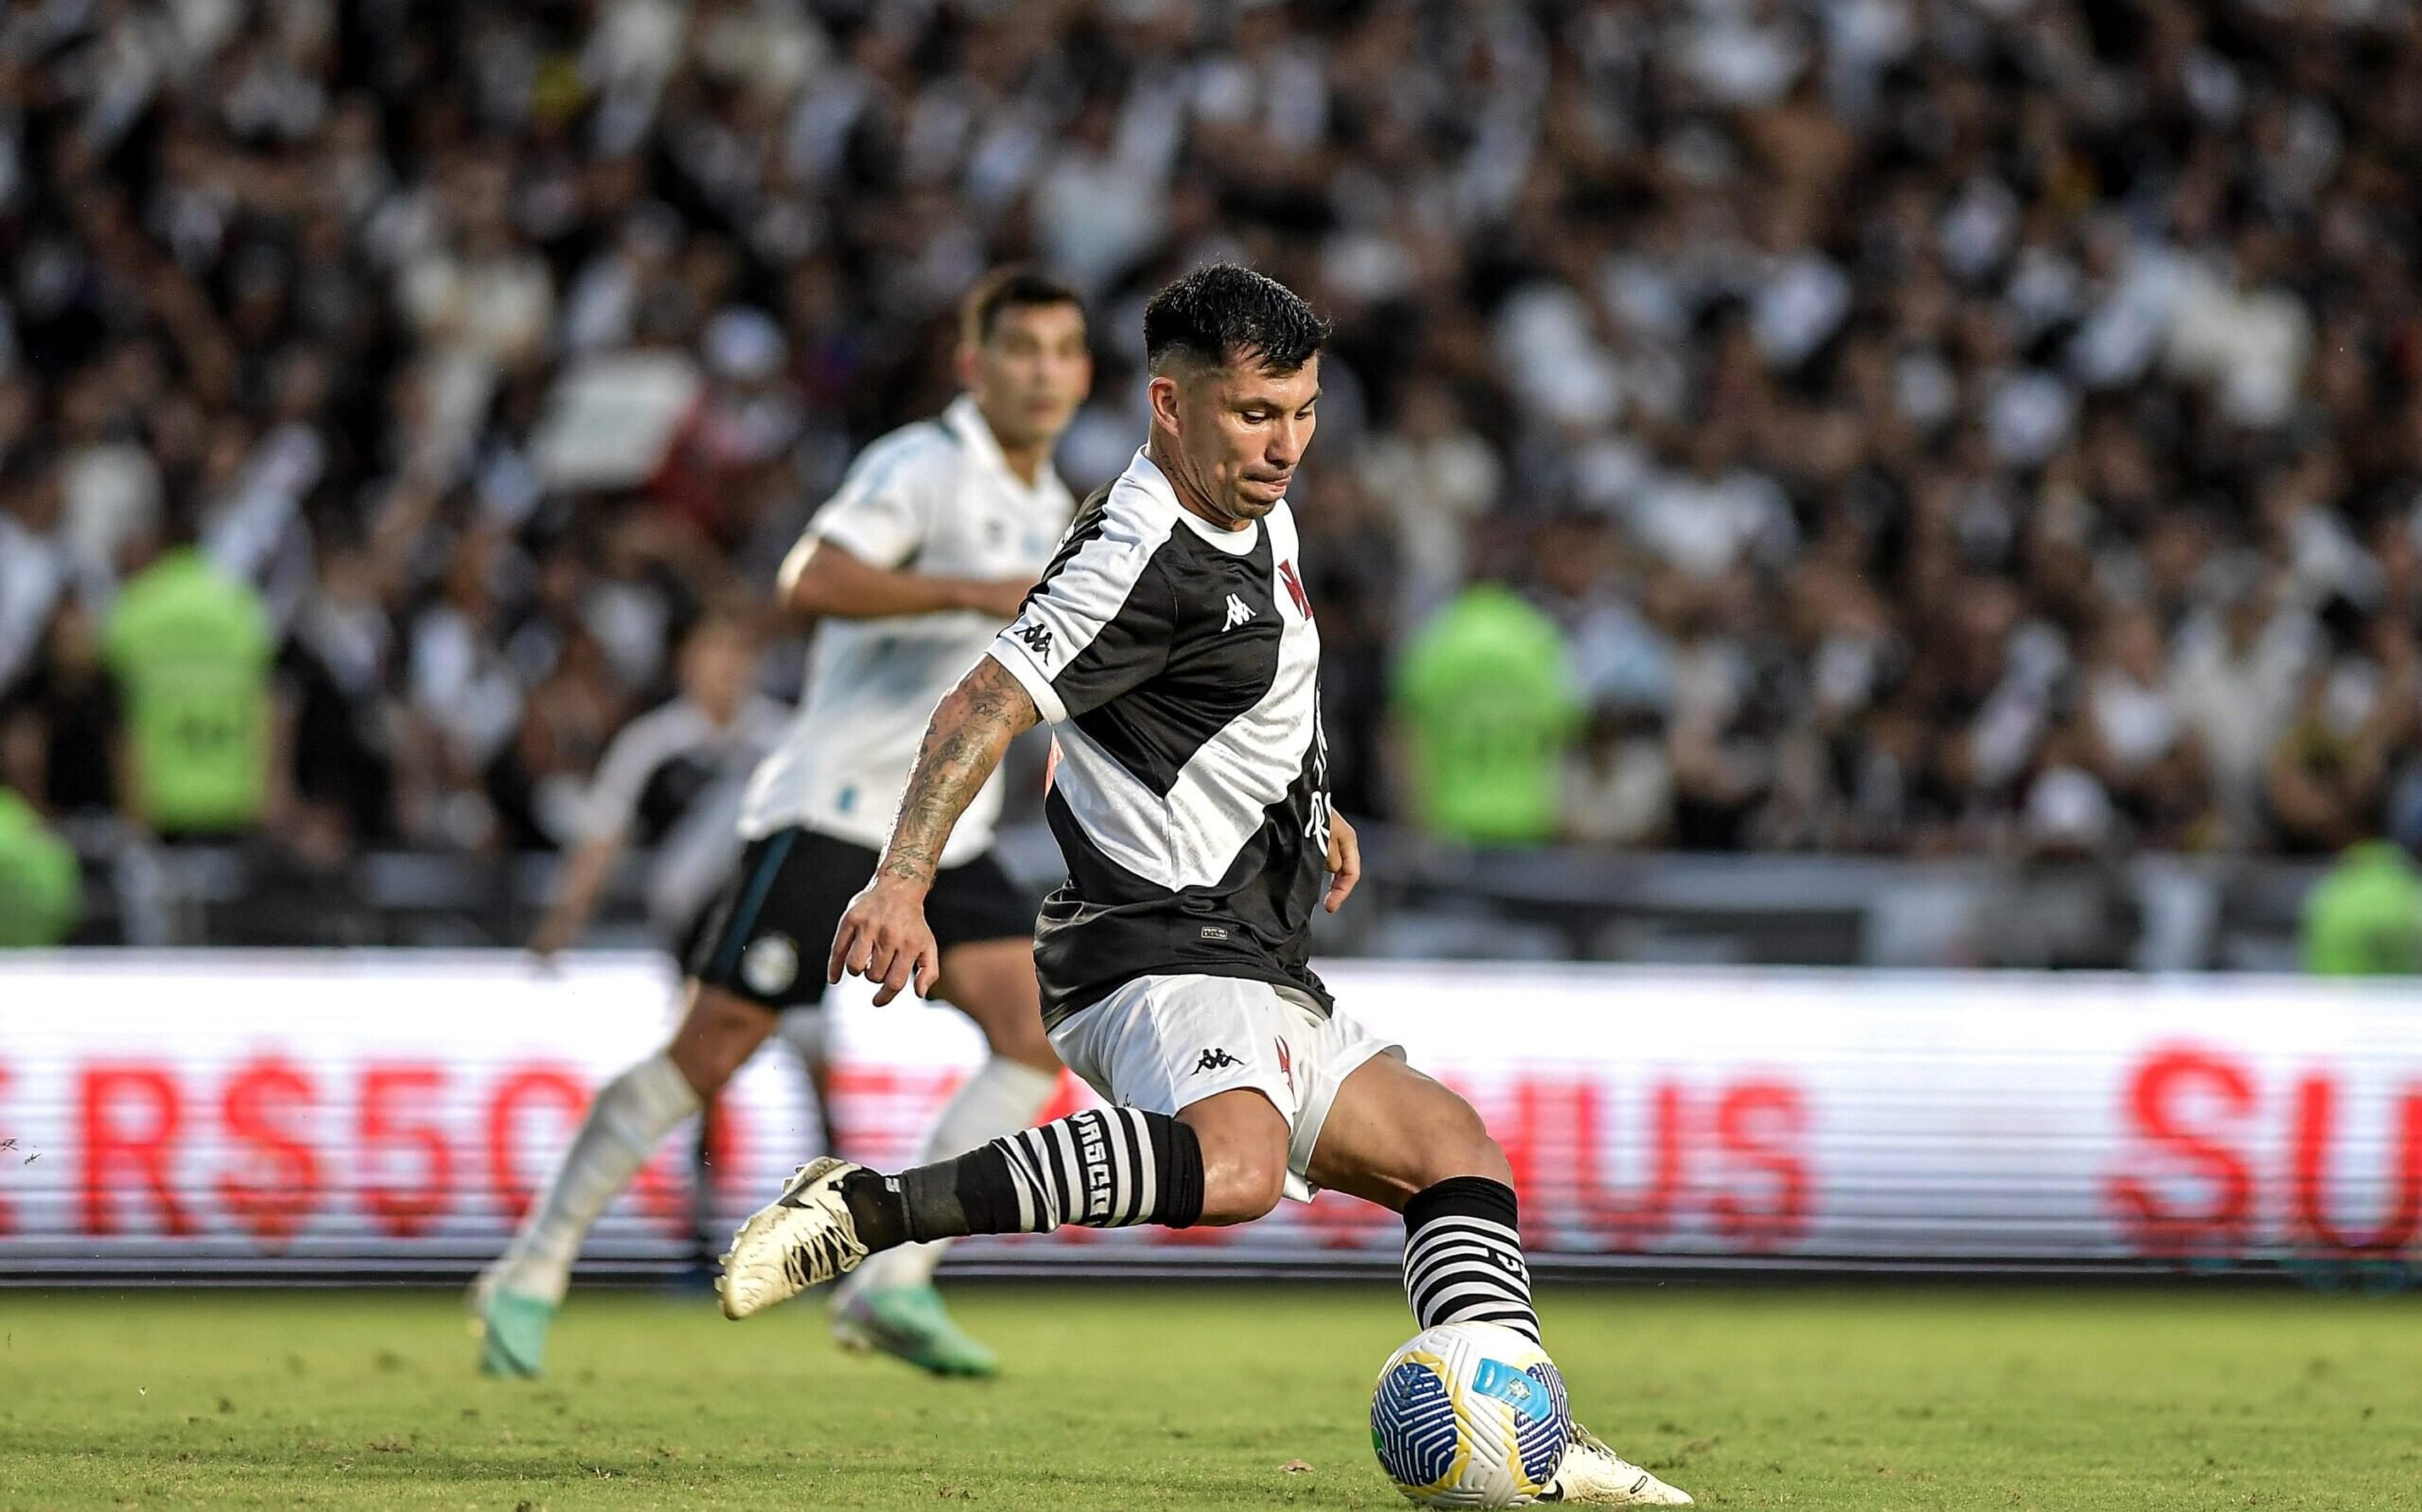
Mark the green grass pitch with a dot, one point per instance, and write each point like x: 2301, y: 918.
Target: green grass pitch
x: 1169, y: 1396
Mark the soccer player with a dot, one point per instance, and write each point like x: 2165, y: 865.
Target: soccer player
x: 672, y: 780
x: 1172, y: 648
x: 914, y: 565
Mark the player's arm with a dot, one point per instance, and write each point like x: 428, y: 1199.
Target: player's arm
x: 584, y: 879
x: 1098, y: 625
x: 822, y: 577
x: 607, y: 817
x: 883, y: 935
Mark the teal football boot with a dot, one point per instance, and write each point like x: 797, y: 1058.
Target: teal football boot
x: 510, y: 1328
x: 910, y: 1323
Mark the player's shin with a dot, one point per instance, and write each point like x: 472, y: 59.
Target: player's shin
x: 630, y: 1117
x: 1001, y: 1099
x: 1102, y: 1168
x: 1463, y: 1257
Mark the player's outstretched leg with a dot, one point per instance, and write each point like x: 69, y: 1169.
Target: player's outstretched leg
x: 515, y: 1301
x: 1406, y: 1142
x: 889, y: 1304
x: 1102, y: 1168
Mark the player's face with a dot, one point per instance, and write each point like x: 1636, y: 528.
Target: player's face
x: 1031, y: 373
x: 1241, y: 432
x: 718, y: 666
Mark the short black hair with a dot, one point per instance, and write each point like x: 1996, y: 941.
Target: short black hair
x: 1224, y: 313
x: 1014, y: 287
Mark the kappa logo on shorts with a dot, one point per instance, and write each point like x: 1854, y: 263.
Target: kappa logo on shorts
x: 770, y: 965
x: 1286, y: 1065
x: 1215, y: 1060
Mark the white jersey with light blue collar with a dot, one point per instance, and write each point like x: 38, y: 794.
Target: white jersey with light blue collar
x: 936, y: 497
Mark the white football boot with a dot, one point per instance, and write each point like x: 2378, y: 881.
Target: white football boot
x: 804, y: 1237
x: 1594, y: 1473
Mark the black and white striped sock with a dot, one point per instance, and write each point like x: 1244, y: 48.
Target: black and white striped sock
x: 1105, y: 1168
x: 1102, y: 1168
x: 1463, y: 1257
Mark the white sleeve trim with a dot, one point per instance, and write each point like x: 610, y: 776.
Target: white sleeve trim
x: 879, y: 513
x: 843, y: 531
x: 1020, y: 663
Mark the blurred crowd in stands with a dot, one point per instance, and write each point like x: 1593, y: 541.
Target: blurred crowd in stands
x: 1904, y: 426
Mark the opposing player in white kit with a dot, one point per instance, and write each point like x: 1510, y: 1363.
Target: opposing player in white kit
x: 672, y: 780
x: 913, y: 567
x: 1172, y: 646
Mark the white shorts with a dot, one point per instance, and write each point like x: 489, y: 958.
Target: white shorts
x: 1164, y: 1043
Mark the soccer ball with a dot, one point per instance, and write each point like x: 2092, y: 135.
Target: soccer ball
x: 1469, y: 1414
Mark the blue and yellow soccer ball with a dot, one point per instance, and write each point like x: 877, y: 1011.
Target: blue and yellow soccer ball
x: 1470, y: 1414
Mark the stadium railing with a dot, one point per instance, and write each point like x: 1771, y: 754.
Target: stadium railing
x: 2151, y: 912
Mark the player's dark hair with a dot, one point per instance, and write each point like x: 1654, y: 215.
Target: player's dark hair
x: 1014, y: 287
x: 1224, y: 313
x: 727, y: 614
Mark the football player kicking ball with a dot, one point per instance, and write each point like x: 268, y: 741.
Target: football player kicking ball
x: 913, y: 567
x: 1172, y: 646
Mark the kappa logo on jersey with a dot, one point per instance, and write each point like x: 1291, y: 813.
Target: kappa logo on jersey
x: 1294, y: 589
x: 1238, y: 611
x: 1037, y: 638
x: 1213, y: 1060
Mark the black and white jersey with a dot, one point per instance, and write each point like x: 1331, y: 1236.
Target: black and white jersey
x: 1181, y: 668
x: 674, y: 779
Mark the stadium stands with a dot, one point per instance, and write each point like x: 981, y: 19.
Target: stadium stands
x: 1956, y: 428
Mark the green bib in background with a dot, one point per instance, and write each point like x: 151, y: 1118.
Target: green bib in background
x: 192, y: 651
x: 2365, y: 918
x: 1490, y: 704
x: 41, y: 891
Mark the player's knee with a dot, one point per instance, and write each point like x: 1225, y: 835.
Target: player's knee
x: 1242, y: 1180
x: 701, y: 1065
x: 1023, y: 1041
x: 1242, y: 1193
x: 1458, y: 1144
x: 716, y: 1038
x: 1486, y: 1157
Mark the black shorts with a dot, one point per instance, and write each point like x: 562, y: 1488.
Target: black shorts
x: 769, y: 932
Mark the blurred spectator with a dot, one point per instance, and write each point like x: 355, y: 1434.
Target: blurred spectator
x: 1485, y: 698
x: 673, y: 781
x: 1438, y: 477
x: 1619, y: 783
x: 38, y: 883
x: 2068, y: 906
x: 747, y: 416
x: 2364, y: 919
x: 2137, y: 742
x: 67, y: 712
x: 2240, y: 661
x: 2328, y: 780
x: 1963, y: 391
x: 193, y: 654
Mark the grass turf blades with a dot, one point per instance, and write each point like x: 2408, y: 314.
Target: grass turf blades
x: 1147, y: 1398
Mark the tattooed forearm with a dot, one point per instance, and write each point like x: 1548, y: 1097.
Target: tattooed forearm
x: 964, y: 742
